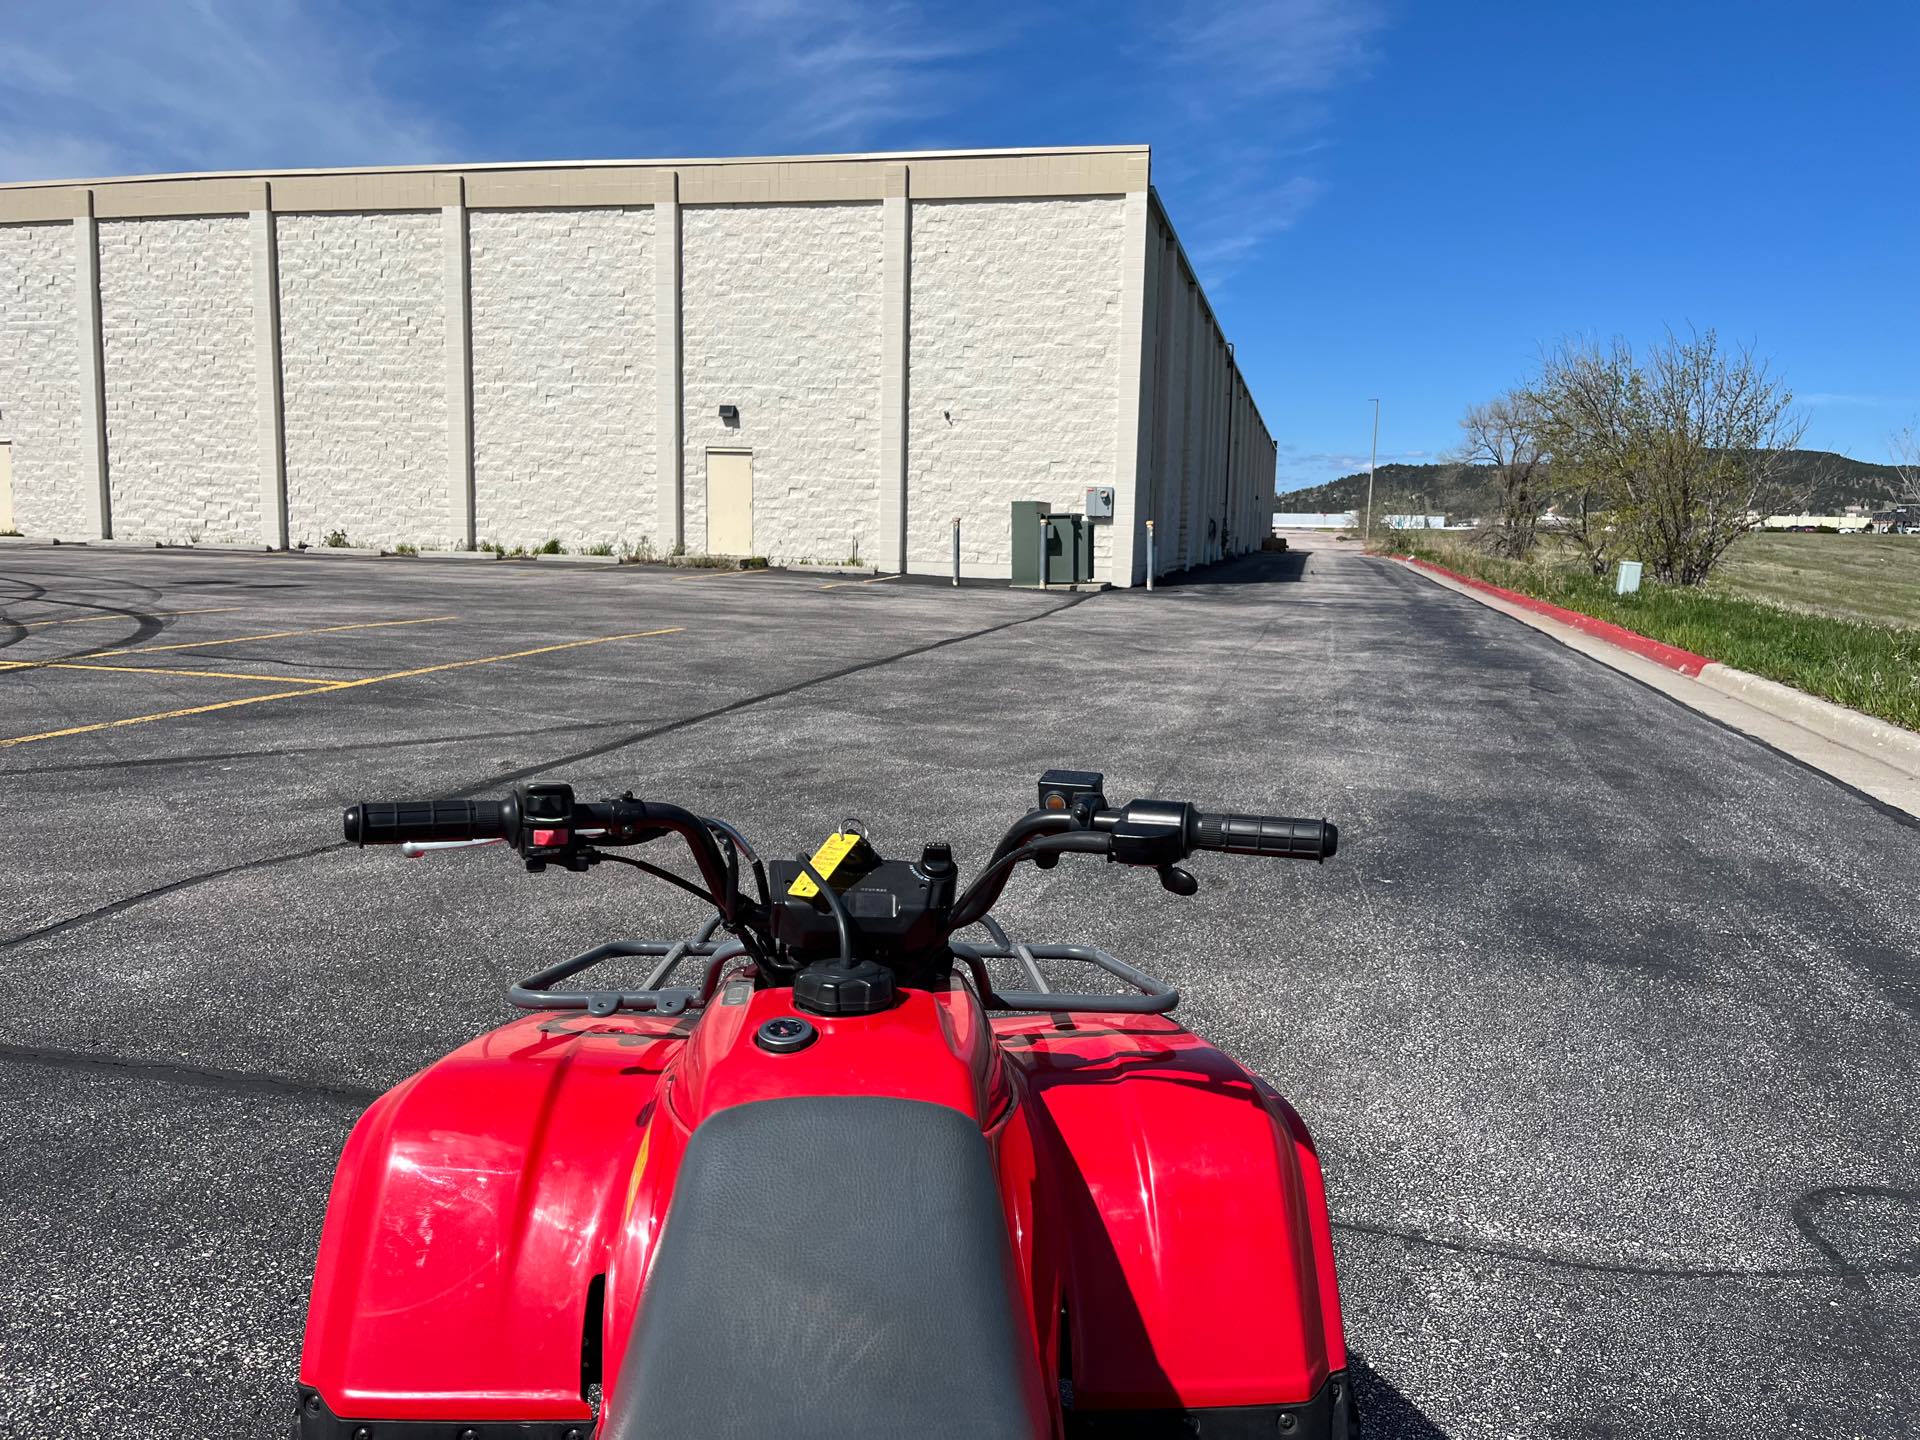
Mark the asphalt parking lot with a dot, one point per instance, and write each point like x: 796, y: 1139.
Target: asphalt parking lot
x: 1605, y: 1018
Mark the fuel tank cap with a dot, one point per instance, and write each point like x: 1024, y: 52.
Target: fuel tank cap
x: 829, y: 988
x: 785, y: 1034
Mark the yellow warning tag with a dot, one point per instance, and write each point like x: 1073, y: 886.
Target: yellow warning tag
x: 835, y: 848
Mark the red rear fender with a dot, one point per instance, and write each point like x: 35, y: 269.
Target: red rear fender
x: 473, y: 1207
x: 1198, y: 1268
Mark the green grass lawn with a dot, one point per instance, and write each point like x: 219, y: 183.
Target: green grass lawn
x: 1850, y: 635
x: 1854, y: 577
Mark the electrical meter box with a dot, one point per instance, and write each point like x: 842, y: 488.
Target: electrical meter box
x: 1099, y: 502
x: 1063, y: 543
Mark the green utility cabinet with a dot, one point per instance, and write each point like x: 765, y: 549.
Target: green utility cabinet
x: 1068, y: 540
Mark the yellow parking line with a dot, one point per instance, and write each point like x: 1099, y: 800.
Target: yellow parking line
x: 98, y: 619
x: 876, y: 580
x: 704, y: 574
x: 331, y: 686
x: 202, y: 674
x: 234, y: 640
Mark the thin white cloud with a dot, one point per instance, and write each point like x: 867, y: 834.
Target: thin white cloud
x: 1236, y: 221
x: 1262, y: 68
x: 820, y: 73
x: 205, y: 84
x: 1271, y: 47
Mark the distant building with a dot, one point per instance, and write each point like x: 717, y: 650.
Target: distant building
x: 1815, y: 522
x: 1316, y: 520
x: 1897, y: 520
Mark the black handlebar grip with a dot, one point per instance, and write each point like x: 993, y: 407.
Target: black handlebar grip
x: 1273, y: 835
x: 393, y: 822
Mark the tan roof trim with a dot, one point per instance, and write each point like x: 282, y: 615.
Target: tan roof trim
x: 985, y: 174
x: 893, y: 156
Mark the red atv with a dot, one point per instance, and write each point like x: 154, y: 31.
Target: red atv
x: 816, y: 1188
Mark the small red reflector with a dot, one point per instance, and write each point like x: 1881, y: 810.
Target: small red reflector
x: 549, y: 837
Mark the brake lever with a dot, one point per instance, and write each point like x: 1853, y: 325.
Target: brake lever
x: 414, y: 849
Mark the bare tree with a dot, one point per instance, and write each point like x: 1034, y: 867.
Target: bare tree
x: 1504, y: 434
x: 1676, y: 453
x: 1905, y: 448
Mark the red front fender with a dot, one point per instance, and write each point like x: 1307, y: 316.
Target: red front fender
x: 472, y: 1209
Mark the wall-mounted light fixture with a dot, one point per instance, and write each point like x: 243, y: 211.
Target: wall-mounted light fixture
x: 730, y: 414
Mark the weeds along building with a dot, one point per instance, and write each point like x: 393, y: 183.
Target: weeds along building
x: 806, y: 358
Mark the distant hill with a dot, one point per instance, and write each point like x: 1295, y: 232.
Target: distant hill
x: 1464, y: 492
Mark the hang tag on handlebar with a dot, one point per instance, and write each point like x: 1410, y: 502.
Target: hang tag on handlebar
x: 843, y: 847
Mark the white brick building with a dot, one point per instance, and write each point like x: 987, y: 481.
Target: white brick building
x: 807, y: 359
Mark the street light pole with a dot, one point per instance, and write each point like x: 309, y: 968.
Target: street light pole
x: 1373, y: 458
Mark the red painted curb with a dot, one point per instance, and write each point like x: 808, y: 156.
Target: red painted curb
x: 1671, y: 656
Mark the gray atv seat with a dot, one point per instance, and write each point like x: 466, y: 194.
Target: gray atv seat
x: 831, y: 1266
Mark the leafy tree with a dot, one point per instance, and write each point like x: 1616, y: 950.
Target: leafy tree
x: 1668, y: 458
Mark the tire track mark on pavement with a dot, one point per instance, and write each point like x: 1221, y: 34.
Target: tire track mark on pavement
x: 208, y: 1077
x: 186, y: 882
x: 1837, y: 1266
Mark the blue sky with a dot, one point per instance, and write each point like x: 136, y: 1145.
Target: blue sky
x: 1396, y: 199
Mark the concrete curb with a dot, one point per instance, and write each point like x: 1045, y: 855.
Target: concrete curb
x: 1871, y: 755
x: 1857, y: 731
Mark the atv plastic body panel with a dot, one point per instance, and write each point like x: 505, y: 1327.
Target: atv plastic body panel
x: 496, y: 1219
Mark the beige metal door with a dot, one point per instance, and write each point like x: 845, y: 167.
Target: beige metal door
x: 6, y: 486
x: 729, y: 502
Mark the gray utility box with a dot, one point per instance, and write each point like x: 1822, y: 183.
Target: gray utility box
x: 1066, y: 539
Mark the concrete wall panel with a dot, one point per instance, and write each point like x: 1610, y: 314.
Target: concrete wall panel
x: 780, y: 315
x: 563, y: 376
x: 40, y: 378
x: 1014, y: 339
x: 176, y: 337
x: 363, y: 341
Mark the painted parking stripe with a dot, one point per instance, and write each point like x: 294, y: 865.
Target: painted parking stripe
x: 234, y: 640
x: 330, y: 687
x: 724, y: 574
x: 200, y: 674
x: 876, y: 580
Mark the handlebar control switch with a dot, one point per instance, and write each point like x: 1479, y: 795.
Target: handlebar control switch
x: 1067, y: 790
x: 547, y: 832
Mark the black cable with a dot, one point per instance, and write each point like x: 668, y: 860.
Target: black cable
x: 666, y: 875
x: 839, y: 910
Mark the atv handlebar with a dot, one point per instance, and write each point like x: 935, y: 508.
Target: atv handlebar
x: 402, y: 822
x: 1273, y: 835
x: 908, y: 913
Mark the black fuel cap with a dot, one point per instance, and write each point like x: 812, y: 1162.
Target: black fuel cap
x: 785, y: 1034
x: 830, y: 988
